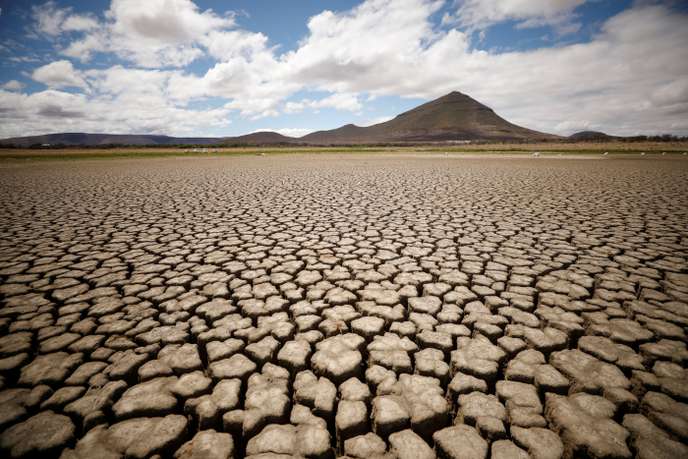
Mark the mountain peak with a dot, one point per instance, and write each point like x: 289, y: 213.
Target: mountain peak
x: 452, y: 117
x: 457, y: 97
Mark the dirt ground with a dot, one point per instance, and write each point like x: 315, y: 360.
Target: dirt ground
x: 369, y: 306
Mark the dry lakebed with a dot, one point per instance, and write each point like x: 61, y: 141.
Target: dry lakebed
x: 324, y: 305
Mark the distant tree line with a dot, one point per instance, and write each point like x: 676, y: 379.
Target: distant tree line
x: 654, y: 138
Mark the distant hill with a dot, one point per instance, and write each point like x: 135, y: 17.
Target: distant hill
x: 95, y: 140
x: 260, y: 138
x: 590, y: 136
x: 453, y: 117
x: 347, y: 134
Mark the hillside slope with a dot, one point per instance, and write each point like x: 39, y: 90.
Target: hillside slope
x: 454, y: 116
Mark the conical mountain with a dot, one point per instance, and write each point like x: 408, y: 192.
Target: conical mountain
x: 453, y: 117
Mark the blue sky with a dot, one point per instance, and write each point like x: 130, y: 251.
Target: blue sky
x: 215, y: 68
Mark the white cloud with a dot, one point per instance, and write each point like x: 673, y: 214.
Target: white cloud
x: 150, y: 34
x: 49, y: 18
x: 12, y: 85
x: 255, y: 84
x: 374, y: 32
x: 110, y: 107
x: 163, y: 22
x: 84, y: 48
x: 79, y: 23
x: 53, y: 20
x: 531, y: 13
x: 338, y: 101
x: 296, y: 107
x: 225, y: 45
x: 161, y: 32
x: 153, y: 33
x: 671, y: 95
x: 629, y: 78
x: 59, y: 74
x: 338, y: 44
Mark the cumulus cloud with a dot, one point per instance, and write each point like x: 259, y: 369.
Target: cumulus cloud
x: 628, y: 78
x: 348, y: 45
x: 161, y: 32
x: 58, y: 111
x: 225, y: 45
x: 59, y: 74
x: 150, y: 34
x: 119, y: 100
x: 163, y: 21
x: 377, y: 31
x: 49, y: 18
x: 341, y: 101
x: 530, y: 13
x: 13, y: 85
x: 53, y: 20
x: 256, y: 84
x: 79, y: 23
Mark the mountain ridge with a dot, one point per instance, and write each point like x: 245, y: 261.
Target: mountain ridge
x: 450, y: 118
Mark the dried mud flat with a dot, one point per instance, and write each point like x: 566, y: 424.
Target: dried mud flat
x: 322, y: 306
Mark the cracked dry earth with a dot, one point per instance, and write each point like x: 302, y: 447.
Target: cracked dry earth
x: 361, y: 306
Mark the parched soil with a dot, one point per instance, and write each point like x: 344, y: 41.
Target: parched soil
x: 364, y: 305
